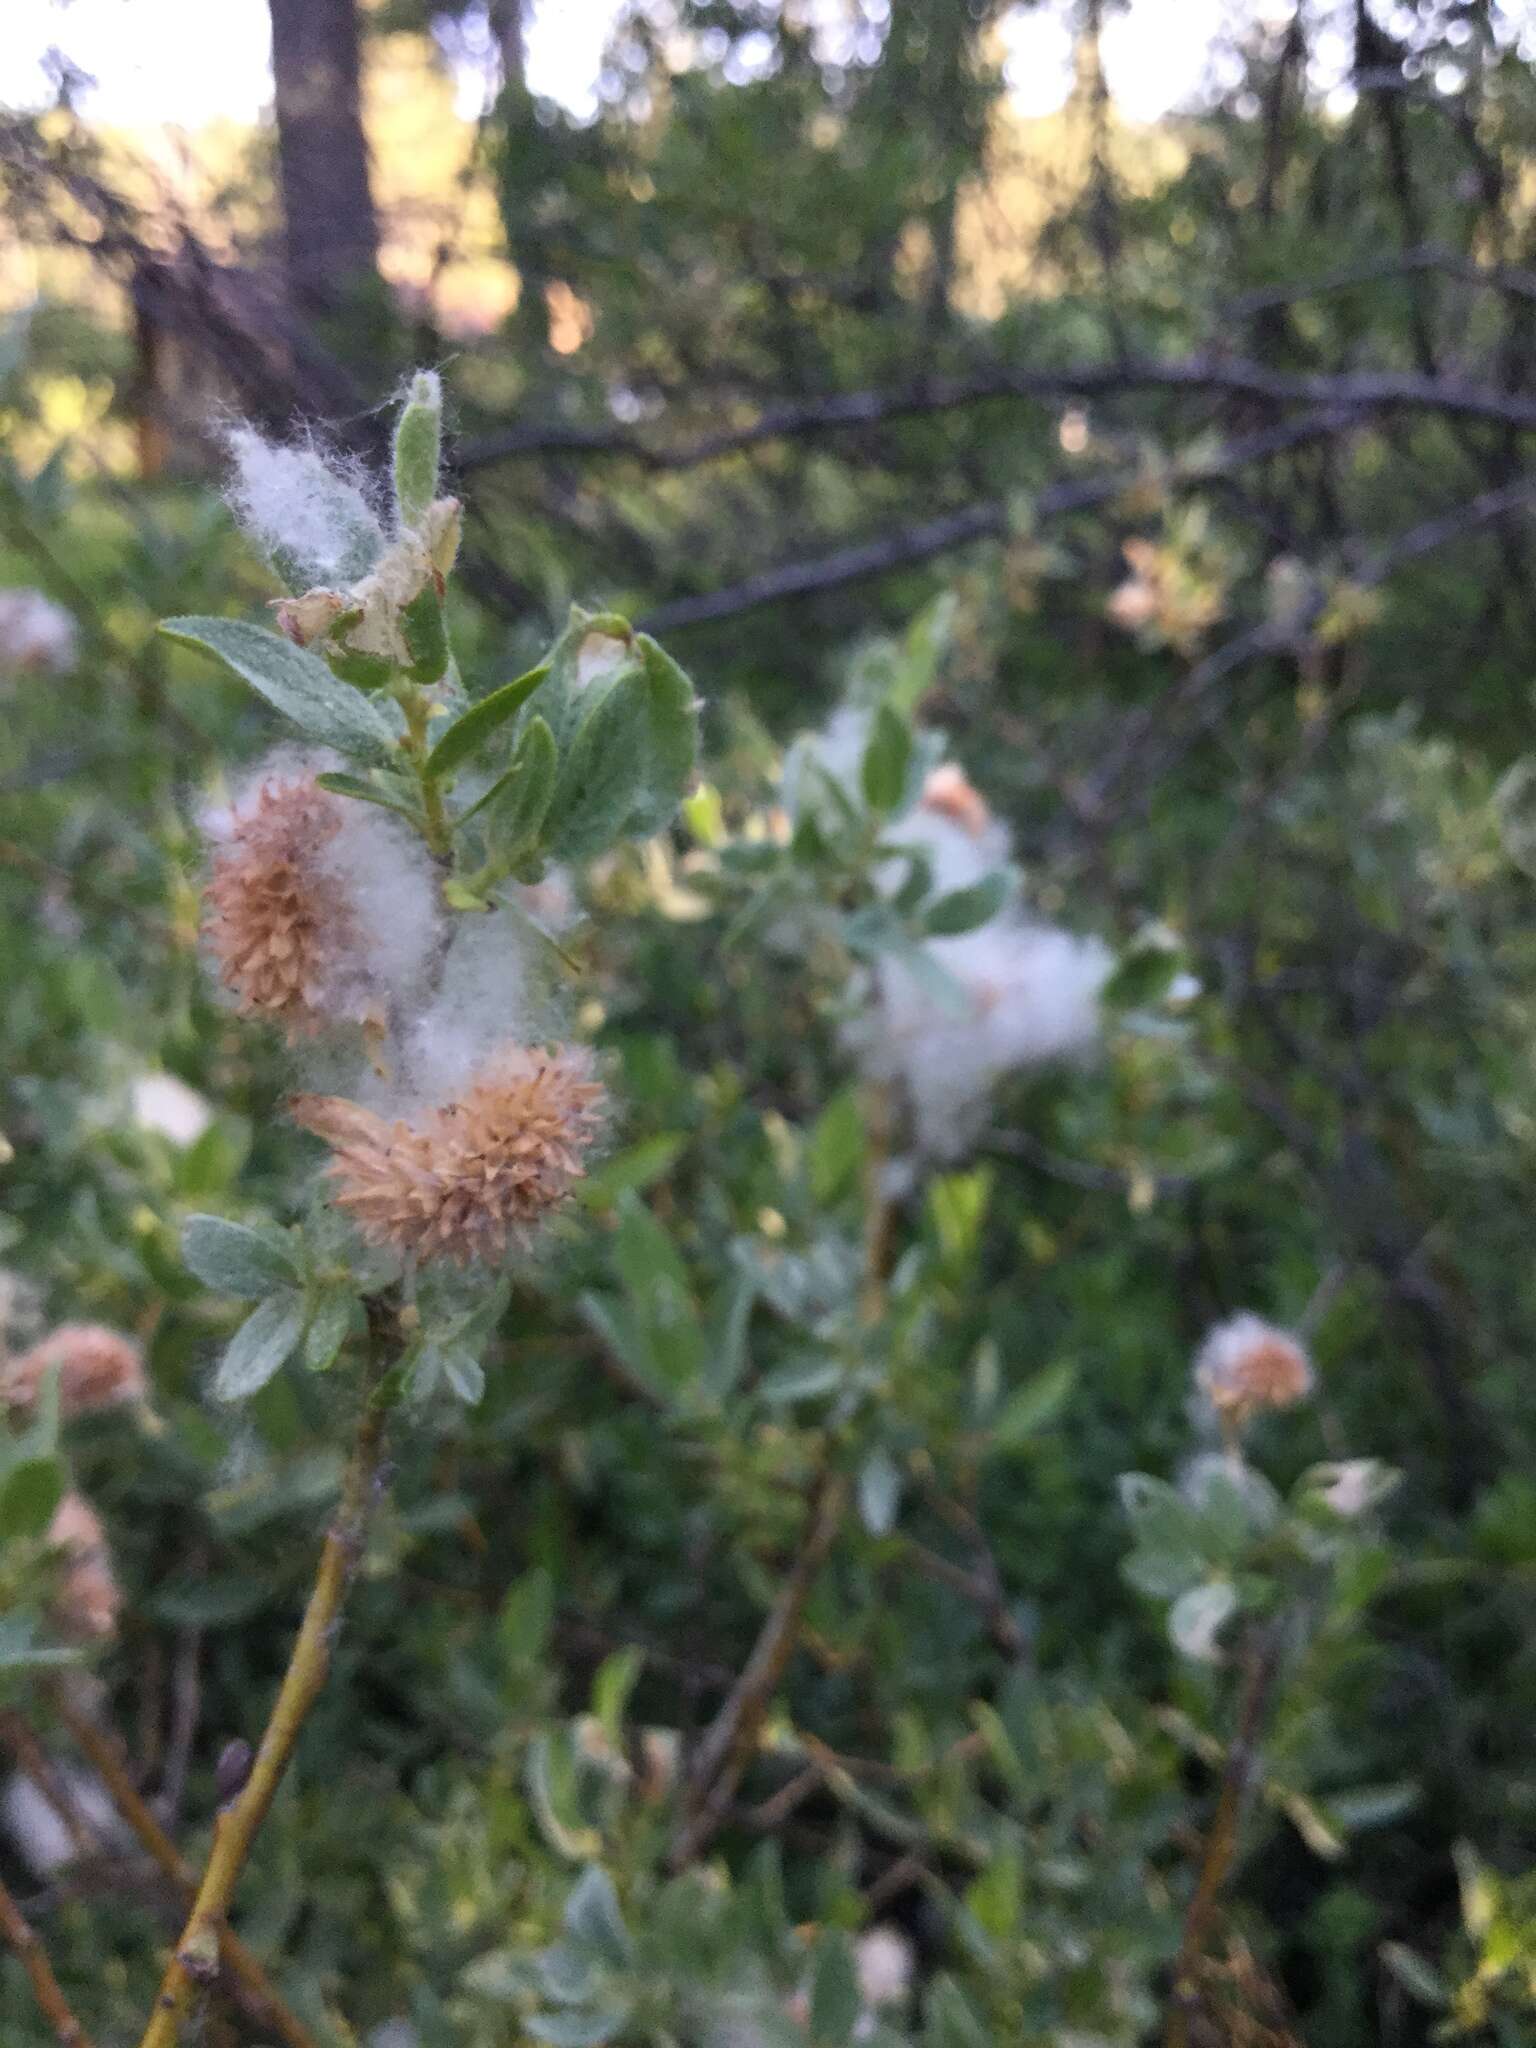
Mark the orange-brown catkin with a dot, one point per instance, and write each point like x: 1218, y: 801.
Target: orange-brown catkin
x: 277, y: 919
x: 468, y: 1179
x: 89, y: 1597
x: 1246, y: 1365
x: 97, y: 1368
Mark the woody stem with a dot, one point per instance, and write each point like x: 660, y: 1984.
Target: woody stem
x: 195, y: 1959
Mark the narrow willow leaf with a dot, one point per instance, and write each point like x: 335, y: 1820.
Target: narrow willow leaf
x: 601, y: 776
x: 962, y: 910
x: 592, y: 1917
x: 236, y: 1259
x: 330, y: 1318
x: 366, y: 793
x: 883, y: 772
x: 524, y: 794
x: 1036, y: 1404
x: 262, y: 1344
x: 672, y: 739
x: 474, y: 727
x: 294, y: 682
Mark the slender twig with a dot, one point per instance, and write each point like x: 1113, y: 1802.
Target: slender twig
x: 196, y: 1956
x: 726, y: 1744
x: 106, y: 1758
x: 1262, y: 1665
x: 22, y: 1939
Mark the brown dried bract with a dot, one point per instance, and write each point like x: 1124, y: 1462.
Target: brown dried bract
x: 277, y: 920
x: 471, y: 1178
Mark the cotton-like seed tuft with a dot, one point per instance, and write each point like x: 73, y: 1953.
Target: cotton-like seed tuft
x: 1022, y: 993
x: 37, y: 637
x: 39, y: 1832
x: 98, y: 1368
x: 882, y: 1959
x: 305, y: 509
x: 167, y: 1106
x: 89, y: 1599
x: 474, y: 1176
x: 1246, y: 1364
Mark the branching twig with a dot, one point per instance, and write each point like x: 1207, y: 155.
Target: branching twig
x: 196, y: 1956
x: 22, y: 1939
x: 722, y: 1753
x: 1262, y: 1666
x: 102, y: 1751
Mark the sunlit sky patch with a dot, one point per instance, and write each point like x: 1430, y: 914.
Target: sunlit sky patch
x: 180, y: 63
x: 183, y: 62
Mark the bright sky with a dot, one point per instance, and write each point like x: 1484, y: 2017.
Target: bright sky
x: 181, y: 62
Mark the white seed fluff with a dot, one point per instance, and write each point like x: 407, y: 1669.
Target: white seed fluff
x: 167, y: 1106
x: 489, y: 994
x: 40, y: 1837
x: 1024, y: 993
x: 294, y: 502
x: 37, y: 637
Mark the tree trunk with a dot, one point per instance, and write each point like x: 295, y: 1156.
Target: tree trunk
x: 506, y: 19
x: 332, y: 230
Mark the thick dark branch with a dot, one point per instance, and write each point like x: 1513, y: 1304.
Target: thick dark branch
x: 986, y: 520
x: 1368, y: 391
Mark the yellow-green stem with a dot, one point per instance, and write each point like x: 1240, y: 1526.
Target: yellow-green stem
x: 103, y: 1752
x: 195, y: 1959
x: 414, y: 703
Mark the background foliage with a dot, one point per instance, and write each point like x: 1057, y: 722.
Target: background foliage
x: 846, y: 383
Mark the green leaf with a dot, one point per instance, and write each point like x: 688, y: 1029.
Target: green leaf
x: 800, y: 1382
x: 611, y: 1687
x: 294, y: 682
x: 592, y: 1917
x: 883, y: 771
x: 726, y: 1358
x: 962, y: 910
x: 21, y: 1651
x: 637, y: 1167
x: 1035, y: 1405
x: 464, y: 1373
x: 643, y: 1252
x: 425, y: 633
x: 1197, y: 1617
x: 236, y: 1259
x: 879, y: 1492
x: 30, y: 1494
x: 264, y: 1341
x: 673, y: 738
x: 520, y: 800
x: 418, y: 448
x: 1142, y: 978
x: 576, y: 2029
x: 1417, y: 1977
x: 472, y: 728
x: 367, y: 793
x: 957, y: 1202
x: 526, y: 1618
x: 330, y: 1318
x: 835, y: 2000
x: 835, y: 1153
x: 600, y: 779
